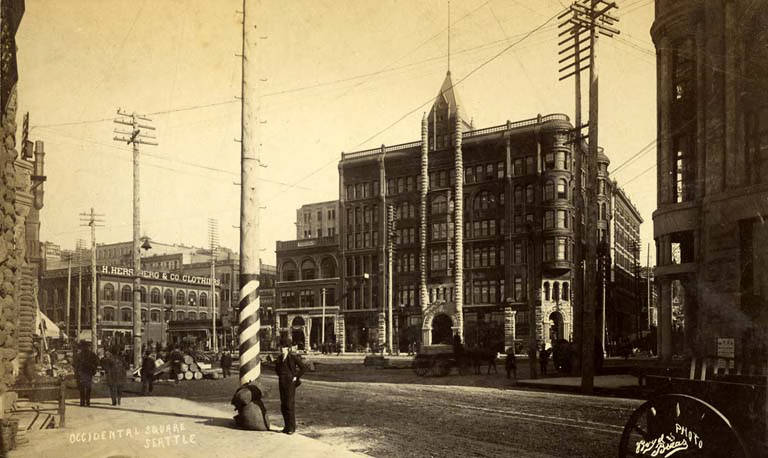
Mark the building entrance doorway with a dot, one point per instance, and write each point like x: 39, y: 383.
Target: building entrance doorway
x: 441, y: 329
x: 555, y: 326
x: 297, y: 333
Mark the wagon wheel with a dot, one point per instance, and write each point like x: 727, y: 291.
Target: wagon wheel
x: 679, y: 424
x: 420, y: 368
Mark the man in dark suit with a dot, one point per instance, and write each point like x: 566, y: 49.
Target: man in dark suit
x: 86, y: 366
x: 289, y: 369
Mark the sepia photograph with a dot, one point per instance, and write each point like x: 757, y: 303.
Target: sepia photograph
x: 387, y: 228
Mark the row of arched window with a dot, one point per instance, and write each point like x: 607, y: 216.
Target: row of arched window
x: 556, y: 292
x: 181, y: 298
x: 289, y: 272
x: 126, y: 315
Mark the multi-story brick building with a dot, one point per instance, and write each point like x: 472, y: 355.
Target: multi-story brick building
x: 316, y: 220
x: 625, y: 315
x: 165, y: 297
x: 489, y: 266
x: 712, y: 153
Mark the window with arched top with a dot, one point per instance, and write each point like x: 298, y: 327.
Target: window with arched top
x: 108, y: 293
x: 439, y: 205
x: 168, y: 297
x: 556, y: 291
x: 562, y: 189
x: 288, y: 271
x: 143, y: 294
x: 154, y: 316
x: 308, y: 269
x: 109, y: 314
x: 518, y: 195
x: 546, y: 291
x: 126, y: 315
x: 203, y: 315
x: 154, y: 296
x: 328, y: 267
x: 126, y: 294
x: 180, y: 298
x: 192, y: 298
x: 203, y: 300
x: 192, y: 316
x: 566, y: 293
x: 180, y: 316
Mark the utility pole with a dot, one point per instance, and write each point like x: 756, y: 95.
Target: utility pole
x: 79, y: 250
x: 90, y: 219
x: 250, y: 156
x: 390, y: 261
x: 648, y: 284
x: 135, y: 137
x: 322, y: 336
x: 588, y: 16
x: 213, y: 240
x: 69, y: 294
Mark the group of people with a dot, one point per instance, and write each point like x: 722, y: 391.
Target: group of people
x: 86, y: 363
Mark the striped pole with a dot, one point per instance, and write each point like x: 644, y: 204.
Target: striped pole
x: 248, y: 306
x: 248, y: 329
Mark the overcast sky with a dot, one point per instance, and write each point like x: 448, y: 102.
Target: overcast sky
x: 336, y: 74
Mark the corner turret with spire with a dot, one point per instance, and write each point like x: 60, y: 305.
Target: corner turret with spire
x: 442, y: 116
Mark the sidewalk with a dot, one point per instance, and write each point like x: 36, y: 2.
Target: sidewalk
x: 162, y: 427
x: 611, y: 385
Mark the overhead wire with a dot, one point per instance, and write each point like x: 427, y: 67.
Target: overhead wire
x: 410, y: 112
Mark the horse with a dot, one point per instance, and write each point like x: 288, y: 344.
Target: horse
x: 480, y: 356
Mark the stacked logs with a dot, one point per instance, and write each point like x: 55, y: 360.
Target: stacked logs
x: 190, y: 369
x: 11, y: 254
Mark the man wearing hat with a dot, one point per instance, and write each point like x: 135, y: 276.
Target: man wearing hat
x: 85, y: 367
x: 289, y: 368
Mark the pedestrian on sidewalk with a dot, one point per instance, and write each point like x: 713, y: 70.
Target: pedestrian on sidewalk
x: 226, y: 363
x: 543, y: 359
x: 511, y: 363
x: 115, y: 370
x: 147, y: 373
x: 87, y: 364
x: 289, y: 369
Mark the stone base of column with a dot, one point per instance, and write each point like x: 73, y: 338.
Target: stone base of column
x: 382, y: 330
x: 509, y: 327
x: 340, y: 332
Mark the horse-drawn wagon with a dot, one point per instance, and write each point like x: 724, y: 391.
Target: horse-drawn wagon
x: 717, y: 407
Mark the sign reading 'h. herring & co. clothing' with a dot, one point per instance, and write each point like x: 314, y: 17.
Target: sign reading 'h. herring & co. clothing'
x: 128, y: 272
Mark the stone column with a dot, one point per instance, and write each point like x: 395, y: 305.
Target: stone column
x: 423, y: 294
x: 458, y: 255
x: 340, y: 332
x: 510, y: 317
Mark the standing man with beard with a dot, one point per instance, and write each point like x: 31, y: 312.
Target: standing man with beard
x: 289, y: 369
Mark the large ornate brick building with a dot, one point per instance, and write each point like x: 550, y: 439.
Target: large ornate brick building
x: 710, y: 223
x: 474, y: 266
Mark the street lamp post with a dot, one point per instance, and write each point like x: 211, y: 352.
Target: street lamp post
x: 322, y: 336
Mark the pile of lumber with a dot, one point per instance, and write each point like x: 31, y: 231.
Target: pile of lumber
x: 190, y: 369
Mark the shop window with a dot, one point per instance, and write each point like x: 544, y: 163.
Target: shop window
x: 108, y: 293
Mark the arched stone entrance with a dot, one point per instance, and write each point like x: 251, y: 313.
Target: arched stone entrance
x: 556, y: 326
x: 297, y: 332
x: 442, y: 332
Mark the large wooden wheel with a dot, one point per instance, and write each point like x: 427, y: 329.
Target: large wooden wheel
x: 421, y: 367
x: 682, y: 425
